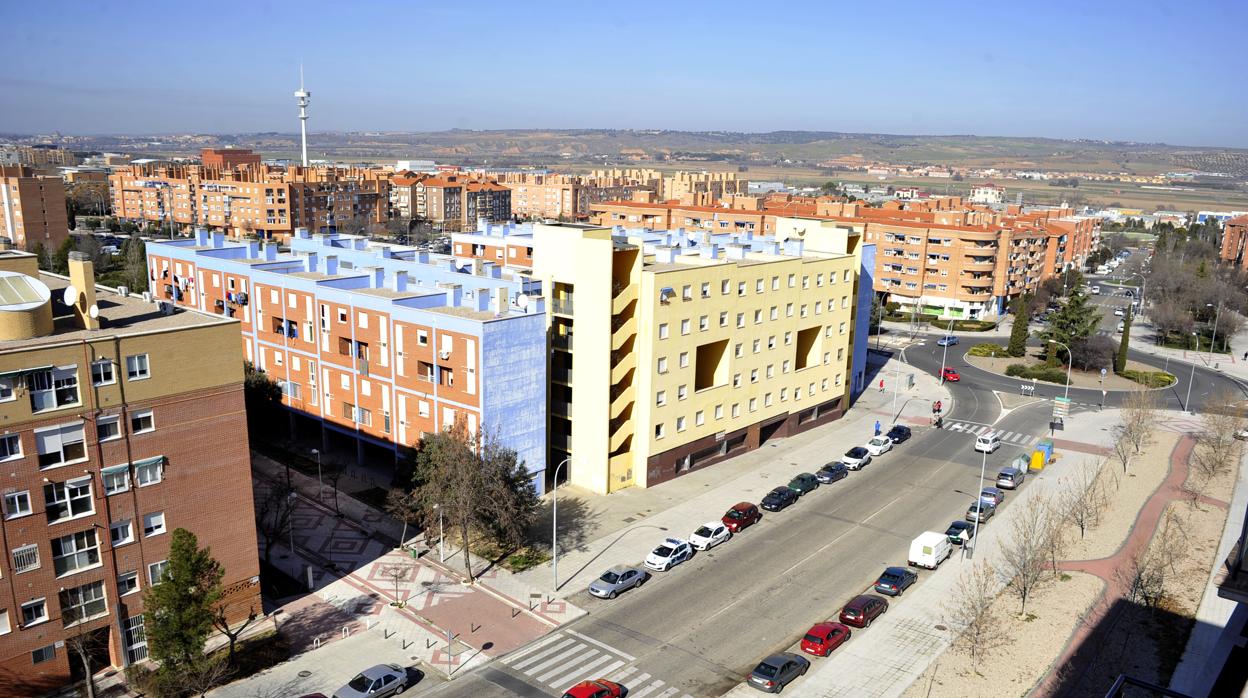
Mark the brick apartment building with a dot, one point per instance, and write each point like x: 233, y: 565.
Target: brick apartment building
x: 32, y: 208
x: 228, y: 158
x: 42, y: 157
x: 121, y: 424
x: 375, y: 345
x: 1234, y: 240
x: 712, y: 186
x: 252, y: 199
x: 456, y: 202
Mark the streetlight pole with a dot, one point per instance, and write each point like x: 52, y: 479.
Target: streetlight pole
x: 1192, y: 379
x: 1070, y: 362
x: 441, y: 538
x: 945, y: 353
x: 319, y: 482
x: 983, y: 470
x: 554, y: 524
x: 1214, y: 339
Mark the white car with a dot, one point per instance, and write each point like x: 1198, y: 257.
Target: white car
x: 670, y: 553
x: 709, y: 535
x: 880, y: 445
x: 856, y: 457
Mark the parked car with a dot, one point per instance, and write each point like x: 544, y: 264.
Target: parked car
x: 988, y: 443
x: 960, y: 532
x: 709, y: 535
x: 1010, y: 478
x: 777, y: 671
x: 862, y: 610
x: 949, y: 374
x: 741, y: 516
x: 898, y: 433
x: 947, y: 341
x: 376, y: 681
x: 929, y: 549
x: 980, y: 511
x: 856, y: 457
x: 879, y: 445
x: 668, y: 554
x: 995, y: 495
x: 1241, y: 434
x: 803, y: 483
x: 616, y: 581
x: 894, y: 580
x: 832, y: 472
x: 779, y: 498
x: 1118, y: 312
x: 822, y: 638
x: 1122, y: 325
x: 598, y: 688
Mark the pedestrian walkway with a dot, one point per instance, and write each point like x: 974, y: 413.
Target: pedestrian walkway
x: 565, y: 658
x: 1143, y: 338
x: 1012, y: 437
x: 623, y: 527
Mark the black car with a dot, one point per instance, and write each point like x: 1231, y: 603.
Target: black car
x: 960, y: 531
x: 832, y: 472
x: 898, y: 433
x: 775, y: 672
x: 895, y: 580
x: 778, y: 499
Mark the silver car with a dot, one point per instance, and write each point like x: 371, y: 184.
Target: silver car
x: 375, y: 682
x: 617, y: 580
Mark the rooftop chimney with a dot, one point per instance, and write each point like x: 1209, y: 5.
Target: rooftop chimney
x: 398, y: 281
x: 483, y: 299
x: 311, y: 261
x: 218, y: 240
x: 270, y: 251
x: 331, y: 265
x: 302, y: 233
x: 454, y: 294
x: 82, y: 278
x: 377, y: 277
x: 201, y: 237
x: 500, y: 300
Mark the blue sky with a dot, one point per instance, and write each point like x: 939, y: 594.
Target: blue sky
x: 1172, y: 72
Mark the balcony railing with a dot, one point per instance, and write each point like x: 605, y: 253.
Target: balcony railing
x: 562, y: 341
x: 563, y: 306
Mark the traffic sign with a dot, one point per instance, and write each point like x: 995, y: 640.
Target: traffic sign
x: 1061, y: 407
x: 1103, y: 372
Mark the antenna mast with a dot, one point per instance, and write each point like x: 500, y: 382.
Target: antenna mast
x: 302, y: 95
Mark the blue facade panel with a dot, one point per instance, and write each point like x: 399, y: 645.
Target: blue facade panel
x: 513, y: 392
x: 862, y: 321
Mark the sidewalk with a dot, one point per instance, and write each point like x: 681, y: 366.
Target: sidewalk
x: 622, y: 528
x: 1143, y: 338
x: 903, y: 642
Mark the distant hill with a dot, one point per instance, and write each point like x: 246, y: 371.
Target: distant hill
x: 642, y: 147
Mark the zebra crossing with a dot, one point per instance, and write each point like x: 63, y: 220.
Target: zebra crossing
x: 564, y: 658
x: 1014, y: 437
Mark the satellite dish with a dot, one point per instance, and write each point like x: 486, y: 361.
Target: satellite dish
x: 71, y: 295
x: 93, y: 311
x: 522, y: 301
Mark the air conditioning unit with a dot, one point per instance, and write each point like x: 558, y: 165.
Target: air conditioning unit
x: 147, y: 296
x: 123, y: 290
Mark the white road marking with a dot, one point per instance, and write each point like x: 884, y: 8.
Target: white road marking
x: 585, y: 670
x: 619, y: 678
x: 570, y: 666
x: 533, y: 647
x: 606, y: 647
x: 578, y: 647
x: 643, y: 692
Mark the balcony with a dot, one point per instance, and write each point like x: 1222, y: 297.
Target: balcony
x: 562, y: 306
x: 623, y: 334
x: 561, y: 374
x: 562, y: 341
x: 619, y: 436
x: 620, y: 372
x: 561, y: 409
x: 621, y: 302
x: 977, y: 282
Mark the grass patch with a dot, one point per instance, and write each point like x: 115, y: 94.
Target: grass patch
x: 1041, y: 372
x: 988, y: 349
x: 526, y: 557
x: 1065, y: 577
x: 964, y: 325
x: 1151, y: 379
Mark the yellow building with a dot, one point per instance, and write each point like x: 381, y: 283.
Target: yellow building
x: 713, y: 344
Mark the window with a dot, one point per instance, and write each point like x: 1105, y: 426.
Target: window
x: 719, y: 412
x: 116, y: 479
x: 725, y: 287
x: 34, y: 612
x: 682, y: 392
x: 6, y: 390
x: 25, y: 558
x: 108, y: 428
x: 142, y: 422
x: 788, y: 310
x: 660, y: 398
x: 704, y: 323
x: 758, y: 316
x: 723, y: 319
x: 771, y: 370
x: 43, y: 654
x: 120, y: 533
x: 10, y: 447
x: 741, y: 288
x: 103, y: 372
x: 736, y: 380
x: 155, y: 571
x: 75, y: 552
x: 775, y: 283
x: 16, y: 504
x: 754, y: 375
x: 53, y: 388
x: 819, y: 280
x: 680, y: 424
x: 5, y: 628
x: 83, y: 603
x: 422, y: 338
x: 784, y: 366
x: 753, y: 404
x: 775, y: 312
x: 699, y: 418
x: 771, y: 342
x: 127, y: 583
x: 684, y: 327
x: 684, y: 359
x: 740, y: 319
x: 153, y: 524
x: 137, y: 367
x: 706, y: 290
x: 758, y: 285
x: 792, y: 280
x: 662, y: 364
x: 658, y: 430
x: 67, y: 500
x: 736, y: 409
x: 784, y: 394
x: 767, y: 400
x: 805, y: 282
x: 149, y: 472
x: 59, y: 446
x: 342, y: 316
x: 842, y: 328
x: 663, y: 330
x: 758, y: 344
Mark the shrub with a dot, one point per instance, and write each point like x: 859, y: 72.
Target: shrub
x: 1015, y: 370
x: 989, y: 349
x: 1040, y: 373
x: 1151, y: 379
x: 962, y: 325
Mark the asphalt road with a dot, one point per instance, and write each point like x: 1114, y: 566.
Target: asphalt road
x: 699, y: 628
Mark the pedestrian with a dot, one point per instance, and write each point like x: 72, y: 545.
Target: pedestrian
x: 877, y: 427
x: 881, y: 385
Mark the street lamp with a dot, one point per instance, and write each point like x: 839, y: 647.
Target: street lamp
x: 897, y: 380
x: 318, y: 473
x: 1214, y: 339
x: 1070, y: 358
x: 554, y: 523
x: 1192, y: 379
x: 945, y: 353
x: 983, y: 471
x: 441, y: 546
x: 1143, y: 288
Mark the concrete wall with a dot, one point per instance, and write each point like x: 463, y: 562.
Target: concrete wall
x: 862, y: 321
x: 513, y: 357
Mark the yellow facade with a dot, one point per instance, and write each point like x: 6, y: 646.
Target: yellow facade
x: 679, y: 354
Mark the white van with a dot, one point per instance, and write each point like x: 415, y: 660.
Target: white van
x: 929, y: 550
x: 1102, y: 270
x: 987, y: 443
x: 1096, y: 290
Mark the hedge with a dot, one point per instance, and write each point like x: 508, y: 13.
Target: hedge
x: 1152, y: 379
x: 1044, y: 373
x: 965, y: 325
x: 991, y: 350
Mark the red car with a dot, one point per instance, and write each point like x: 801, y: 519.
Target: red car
x: 599, y: 688
x: 863, y: 609
x: 741, y: 515
x: 949, y: 374
x: 822, y: 638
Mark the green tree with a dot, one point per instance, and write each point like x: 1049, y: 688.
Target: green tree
x: 134, y: 252
x: 263, y: 398
x: 60, y: 258
x: 180, y: 608
x: 1075, y: 321
x: 41, y: 253
x: 1120, y: 361
x: 1019, y: 332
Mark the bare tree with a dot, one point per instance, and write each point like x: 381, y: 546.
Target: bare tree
x: 404, y: 506
x: 1123, y: 447
x: 396, y: 573
x: 84, y: 642
x: 1217, y: 450
x: 976, y: 626
x: 232, y: 634
x: 273, y: 512
x: 1056, y: 537
x: 1084, y: 498
x: 1024, y: 552
x: 1139, y: 416
x: 1146, y: 575
x: 204, y: 675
